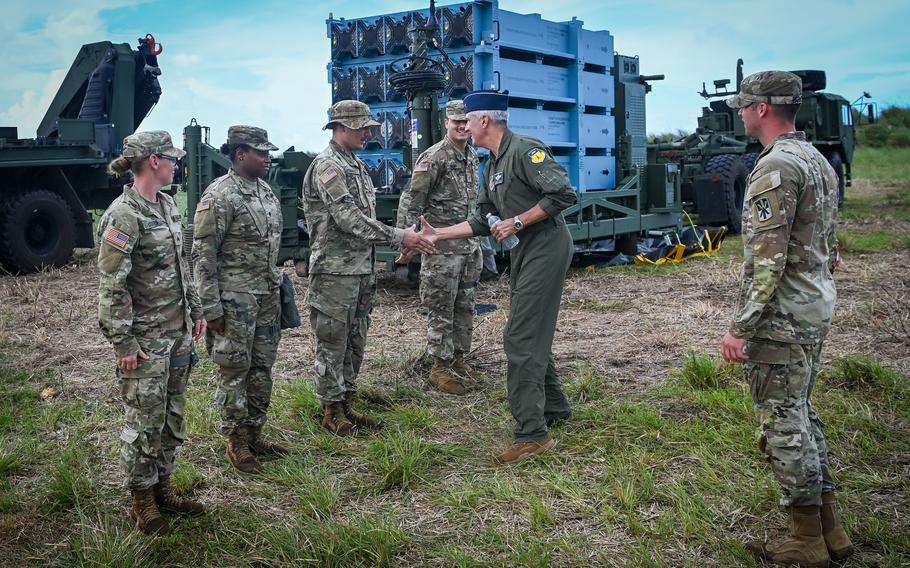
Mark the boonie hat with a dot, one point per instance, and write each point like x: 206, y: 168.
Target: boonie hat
x: 771, y: 87
x: 350, y: 113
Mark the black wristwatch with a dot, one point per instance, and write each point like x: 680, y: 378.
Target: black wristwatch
x: 518, y: 224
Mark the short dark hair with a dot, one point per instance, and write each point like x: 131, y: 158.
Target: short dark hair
x: 786, y: 112
x: 230, y: 150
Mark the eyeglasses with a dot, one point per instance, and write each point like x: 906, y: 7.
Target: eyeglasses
x: 171, y: 159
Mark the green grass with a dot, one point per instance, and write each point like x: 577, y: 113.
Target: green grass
x: 864, y: 241
x: 881, y: 164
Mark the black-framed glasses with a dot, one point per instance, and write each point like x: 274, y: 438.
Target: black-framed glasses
x: 171, y: 159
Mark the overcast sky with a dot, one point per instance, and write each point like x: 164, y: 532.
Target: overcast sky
x: 264, y: 62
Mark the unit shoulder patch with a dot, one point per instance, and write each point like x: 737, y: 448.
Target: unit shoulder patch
x: 537, y: 155
x: 118, y: 239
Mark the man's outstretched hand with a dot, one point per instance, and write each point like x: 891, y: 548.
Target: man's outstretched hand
x: 418, y: 241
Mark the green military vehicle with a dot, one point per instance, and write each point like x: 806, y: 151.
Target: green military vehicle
x: 717, y: 158
x: 48, y: 184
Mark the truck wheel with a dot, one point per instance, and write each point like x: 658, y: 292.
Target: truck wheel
x: 838, y: 164
x: 749, y: 161
x: 730, y: 168
x: 37, y: 229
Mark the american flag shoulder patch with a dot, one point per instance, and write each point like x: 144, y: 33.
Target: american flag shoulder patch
x: 204, y: 205
x: 422, y: 167
x: 116, y: 238
x: 328, y: 176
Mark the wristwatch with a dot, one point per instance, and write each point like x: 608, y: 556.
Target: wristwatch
x: 518, y: 224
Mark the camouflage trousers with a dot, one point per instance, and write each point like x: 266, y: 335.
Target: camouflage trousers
x: 153, y: 401
x: 340, y: 307
x: 781, y: 377
x: 447, y: 292
x: 245, y: 353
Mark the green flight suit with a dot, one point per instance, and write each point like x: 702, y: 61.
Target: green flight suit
x: 522, y: 175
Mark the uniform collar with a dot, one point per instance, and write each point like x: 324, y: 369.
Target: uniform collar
x: 346, y: 154
x: 798, y: 135
x: 145, y: 206
x: 245, y: 185
x: 448, y: 142
x: 504, y: 143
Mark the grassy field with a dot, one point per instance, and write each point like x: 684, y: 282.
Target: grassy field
x: 657, y: 467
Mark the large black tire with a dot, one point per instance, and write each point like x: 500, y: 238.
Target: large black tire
x: 730, y: 168
x: 37, y: 229
x: 838, y: 164
x: 749, y: 161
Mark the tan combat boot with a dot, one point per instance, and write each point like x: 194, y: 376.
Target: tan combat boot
x: 523, y: 450
x: 804, y: 546
x: 146, y: 515
x: 334, y: 419
x: 167, y: 499
x: 259, y: 445
x: 238, y: 451
x: 357, y: 418
x: 442, y: 378
x: 462, y: 368
x: 836, y: 539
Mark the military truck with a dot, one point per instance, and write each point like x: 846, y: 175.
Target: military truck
x: 50, y: 183
x: 716, y: 159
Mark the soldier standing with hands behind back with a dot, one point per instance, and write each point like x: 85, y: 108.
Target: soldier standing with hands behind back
x: 784, y: 312
x: 237, y: 236
x: 443, y: 188
x: 339, y: 202
x: 529, y: 190
x: 149, y: 311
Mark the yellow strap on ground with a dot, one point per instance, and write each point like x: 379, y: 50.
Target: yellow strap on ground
x: 677, y: 255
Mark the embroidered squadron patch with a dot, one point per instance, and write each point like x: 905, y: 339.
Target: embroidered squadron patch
x: 204, y: 205
x: 497, y: 179
x: 116, y: 238
x: 763, y: 209
x: 422, y: 167
x: 537, y: 155
x: 328, y: 176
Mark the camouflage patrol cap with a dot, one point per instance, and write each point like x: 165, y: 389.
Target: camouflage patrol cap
x: 455, y: 110
x: 350, y: 113
x: 144, y: 144
x: 252, y: 136
x: 772, y: 87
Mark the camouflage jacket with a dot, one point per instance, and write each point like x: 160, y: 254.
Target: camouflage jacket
x: 443, y: 188
x: 789, y: 247
x: 145, y: 285
x: 236, y: 238
x: 340, y: 206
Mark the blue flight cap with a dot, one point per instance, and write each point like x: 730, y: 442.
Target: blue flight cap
x: 486, y: 100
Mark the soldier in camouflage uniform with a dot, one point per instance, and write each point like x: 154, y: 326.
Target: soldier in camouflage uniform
x: 444, y: 189
x: 784, y: 312
x: 340, y: 206
x: 235, y: 252
x: 149, y: 311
